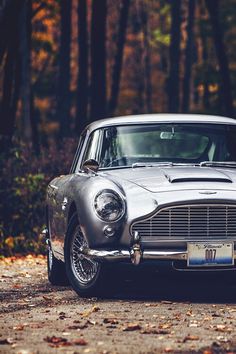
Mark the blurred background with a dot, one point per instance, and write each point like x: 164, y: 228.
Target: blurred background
x: 66, y: 63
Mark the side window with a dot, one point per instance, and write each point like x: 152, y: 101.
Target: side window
x: 93, y: 150
x: 78, y: 152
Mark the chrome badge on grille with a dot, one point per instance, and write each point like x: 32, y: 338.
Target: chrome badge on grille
x: 207, y: 192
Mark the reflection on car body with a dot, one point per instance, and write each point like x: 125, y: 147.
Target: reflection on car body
x: 155, y: 187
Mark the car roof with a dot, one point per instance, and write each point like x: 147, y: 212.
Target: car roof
x: 160, y: 118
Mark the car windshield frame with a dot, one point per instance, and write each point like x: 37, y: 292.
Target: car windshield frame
x: 193, y: 125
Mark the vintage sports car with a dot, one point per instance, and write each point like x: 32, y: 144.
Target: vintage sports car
x: 157, y: 188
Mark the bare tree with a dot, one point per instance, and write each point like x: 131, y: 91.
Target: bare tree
x: 146, y: 56
x: 63, y: 99
x: 98, y: 60
x: 25, y: 39
x: 9, y: 50
x: 117, y: 68
x: 226, y: 88
x: 188, y: 57
x: 173, y: 79
x: 82, y: 85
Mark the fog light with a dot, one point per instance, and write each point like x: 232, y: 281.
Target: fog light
x: 108, y: 231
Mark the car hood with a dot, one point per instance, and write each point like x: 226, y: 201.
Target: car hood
x: 157, y: 179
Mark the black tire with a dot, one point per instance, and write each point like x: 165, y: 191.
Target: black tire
x: 100, y: 278
x: 56, y: 269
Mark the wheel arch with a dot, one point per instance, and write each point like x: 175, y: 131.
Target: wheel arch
x: 72, y: 211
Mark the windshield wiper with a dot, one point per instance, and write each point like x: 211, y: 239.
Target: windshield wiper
x: 218, y: 164
x: 163, y: 163
x: 149, y: 164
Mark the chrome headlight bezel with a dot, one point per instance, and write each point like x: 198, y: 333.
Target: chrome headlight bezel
x: 117, y: 198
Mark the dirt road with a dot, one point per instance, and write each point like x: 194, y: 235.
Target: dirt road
x: 154, y: 315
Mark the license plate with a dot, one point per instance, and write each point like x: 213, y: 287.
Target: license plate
x: 210, y: 254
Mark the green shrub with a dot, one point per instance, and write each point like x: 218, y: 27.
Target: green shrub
x: 23, y: 182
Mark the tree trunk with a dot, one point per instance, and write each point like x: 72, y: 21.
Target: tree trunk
x: 25, y: 38
x: 11, y: 79
x: 173, y: 80
x: 226, y: 88
x: 117, y: 68
x: 63, y: 99
x: 98, y: 60
x: 9, y: 10
x: 188, y: 57
x: 82, y: 85
x: 146, y: 58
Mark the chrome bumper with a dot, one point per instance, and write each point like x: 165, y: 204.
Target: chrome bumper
x: 135, y: 255
x: 125, y: 255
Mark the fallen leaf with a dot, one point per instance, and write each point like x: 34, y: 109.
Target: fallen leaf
x: 190, y: 337
x: 132, y: 327
x: 62, y: 315
x: 80, y: 341
x: 16, y: 286
x: 150, y: 330
x: 164, y: 326
x: 81, y: 326
x: 223, y: 328
x: 47, y: 298
x: 110, y: 320
x: 89, y: 312
x: 57, y: 341
x: 215, y: 314
x: 36, y: 325
x: 18, y: 328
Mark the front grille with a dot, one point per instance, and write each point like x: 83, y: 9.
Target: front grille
x: 215, y: 221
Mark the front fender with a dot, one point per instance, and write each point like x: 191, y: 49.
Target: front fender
x: 137, y: 201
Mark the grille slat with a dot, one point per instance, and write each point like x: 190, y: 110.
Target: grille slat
x: 188, y: 222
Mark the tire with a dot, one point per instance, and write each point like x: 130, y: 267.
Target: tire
x: 56, y: 269
x: 88, y: 278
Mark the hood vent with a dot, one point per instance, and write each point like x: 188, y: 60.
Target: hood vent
x: 175, y: 175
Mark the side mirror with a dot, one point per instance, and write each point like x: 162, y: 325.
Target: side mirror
x: 90, y: 165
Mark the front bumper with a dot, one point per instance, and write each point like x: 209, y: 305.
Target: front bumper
x: 125, y: 255
x: 171, y: 260
x: 136, y: 254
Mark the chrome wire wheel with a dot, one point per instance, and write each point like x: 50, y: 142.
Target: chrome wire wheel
x: 84, y: 269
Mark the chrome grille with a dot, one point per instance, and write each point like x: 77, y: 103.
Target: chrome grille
x: 189, y: 222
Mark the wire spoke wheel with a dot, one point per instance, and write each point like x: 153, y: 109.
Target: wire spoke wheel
x: 83, y: 268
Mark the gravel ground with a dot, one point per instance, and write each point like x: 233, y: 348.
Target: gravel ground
x: 154, y: 314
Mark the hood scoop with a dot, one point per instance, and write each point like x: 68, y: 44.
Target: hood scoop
x: 202, y: 174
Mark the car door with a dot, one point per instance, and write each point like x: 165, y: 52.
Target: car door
x: 58, y: 191
x: 56, y: 208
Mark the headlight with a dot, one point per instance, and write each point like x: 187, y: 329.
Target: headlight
x: 109, y: 206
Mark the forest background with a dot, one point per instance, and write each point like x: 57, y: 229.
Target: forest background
x: 66, y: 63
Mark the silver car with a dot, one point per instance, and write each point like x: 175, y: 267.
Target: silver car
x: 159, y: 188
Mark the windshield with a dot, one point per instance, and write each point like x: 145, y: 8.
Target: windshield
x: 180, y: 143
